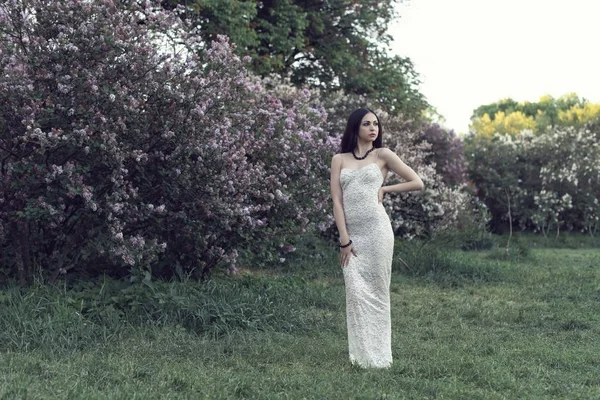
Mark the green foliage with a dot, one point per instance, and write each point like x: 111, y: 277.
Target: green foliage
x: 516, y: 251
x: 506, y: 106
x: 331, y: 45
x: 509, y: 116
x: 481, y: 243
x: 233, y: 17
x: 470, y: 229
x: 499, y: 170
x: 548, y: 181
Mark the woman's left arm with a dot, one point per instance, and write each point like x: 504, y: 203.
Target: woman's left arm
x: 394, y: 163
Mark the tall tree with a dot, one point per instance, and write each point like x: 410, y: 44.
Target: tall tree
x: 326, y: 44
x: 509, y: 116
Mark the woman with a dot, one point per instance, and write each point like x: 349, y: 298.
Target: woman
x: 366, y: 236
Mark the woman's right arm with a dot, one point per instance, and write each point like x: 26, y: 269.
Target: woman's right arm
x: 336, y: 195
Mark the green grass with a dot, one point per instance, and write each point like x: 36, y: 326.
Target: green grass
x: 474, y: 327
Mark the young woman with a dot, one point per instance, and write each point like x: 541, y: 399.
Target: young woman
x: 366, y: 236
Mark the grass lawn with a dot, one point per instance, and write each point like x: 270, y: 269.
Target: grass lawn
x: 488, y: 329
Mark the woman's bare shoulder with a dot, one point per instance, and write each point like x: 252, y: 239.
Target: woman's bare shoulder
x: 340, y: 156
x: 337, y: 159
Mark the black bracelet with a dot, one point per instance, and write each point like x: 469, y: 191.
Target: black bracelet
x: 346, y: 245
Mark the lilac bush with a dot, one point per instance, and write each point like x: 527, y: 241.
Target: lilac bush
x: 553, y: 179
x: 434, y: 210
x: 126, y: 142
x: 446, y: 152
x: 569, y: 178
x: 504, y: 172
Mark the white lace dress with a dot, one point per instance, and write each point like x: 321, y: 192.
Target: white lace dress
x: 367, y: 276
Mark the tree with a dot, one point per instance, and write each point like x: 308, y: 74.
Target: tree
x: 508, y: 116
x: 502, y: 173
x: 331, y: 45
x: 502, y: 123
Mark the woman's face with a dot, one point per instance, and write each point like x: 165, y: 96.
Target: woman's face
x: 369, y: 128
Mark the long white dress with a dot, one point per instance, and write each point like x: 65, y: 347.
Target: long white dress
x: 367, y: 276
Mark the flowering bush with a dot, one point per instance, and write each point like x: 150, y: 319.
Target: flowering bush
x: 127, y: 142
x: 436, y: 208
x: 446, y: 153
x: 569, y: 180
x: 504, y: 175
x: 549, y: 209
x: 551, y: 180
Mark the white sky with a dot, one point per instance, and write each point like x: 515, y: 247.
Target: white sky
x: 474, y: 52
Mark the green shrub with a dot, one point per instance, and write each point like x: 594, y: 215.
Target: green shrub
x: 517, y: 251
x: 482, y: 243
x: 469, y: 230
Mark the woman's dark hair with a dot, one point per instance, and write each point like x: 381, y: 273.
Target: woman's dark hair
x: 350, y: 137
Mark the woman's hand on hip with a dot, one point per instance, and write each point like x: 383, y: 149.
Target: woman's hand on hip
x: 380, y: 195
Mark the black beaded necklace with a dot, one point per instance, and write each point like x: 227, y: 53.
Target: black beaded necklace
x: 366, y: 154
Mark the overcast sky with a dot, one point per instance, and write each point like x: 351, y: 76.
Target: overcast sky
x: 474, y: 52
